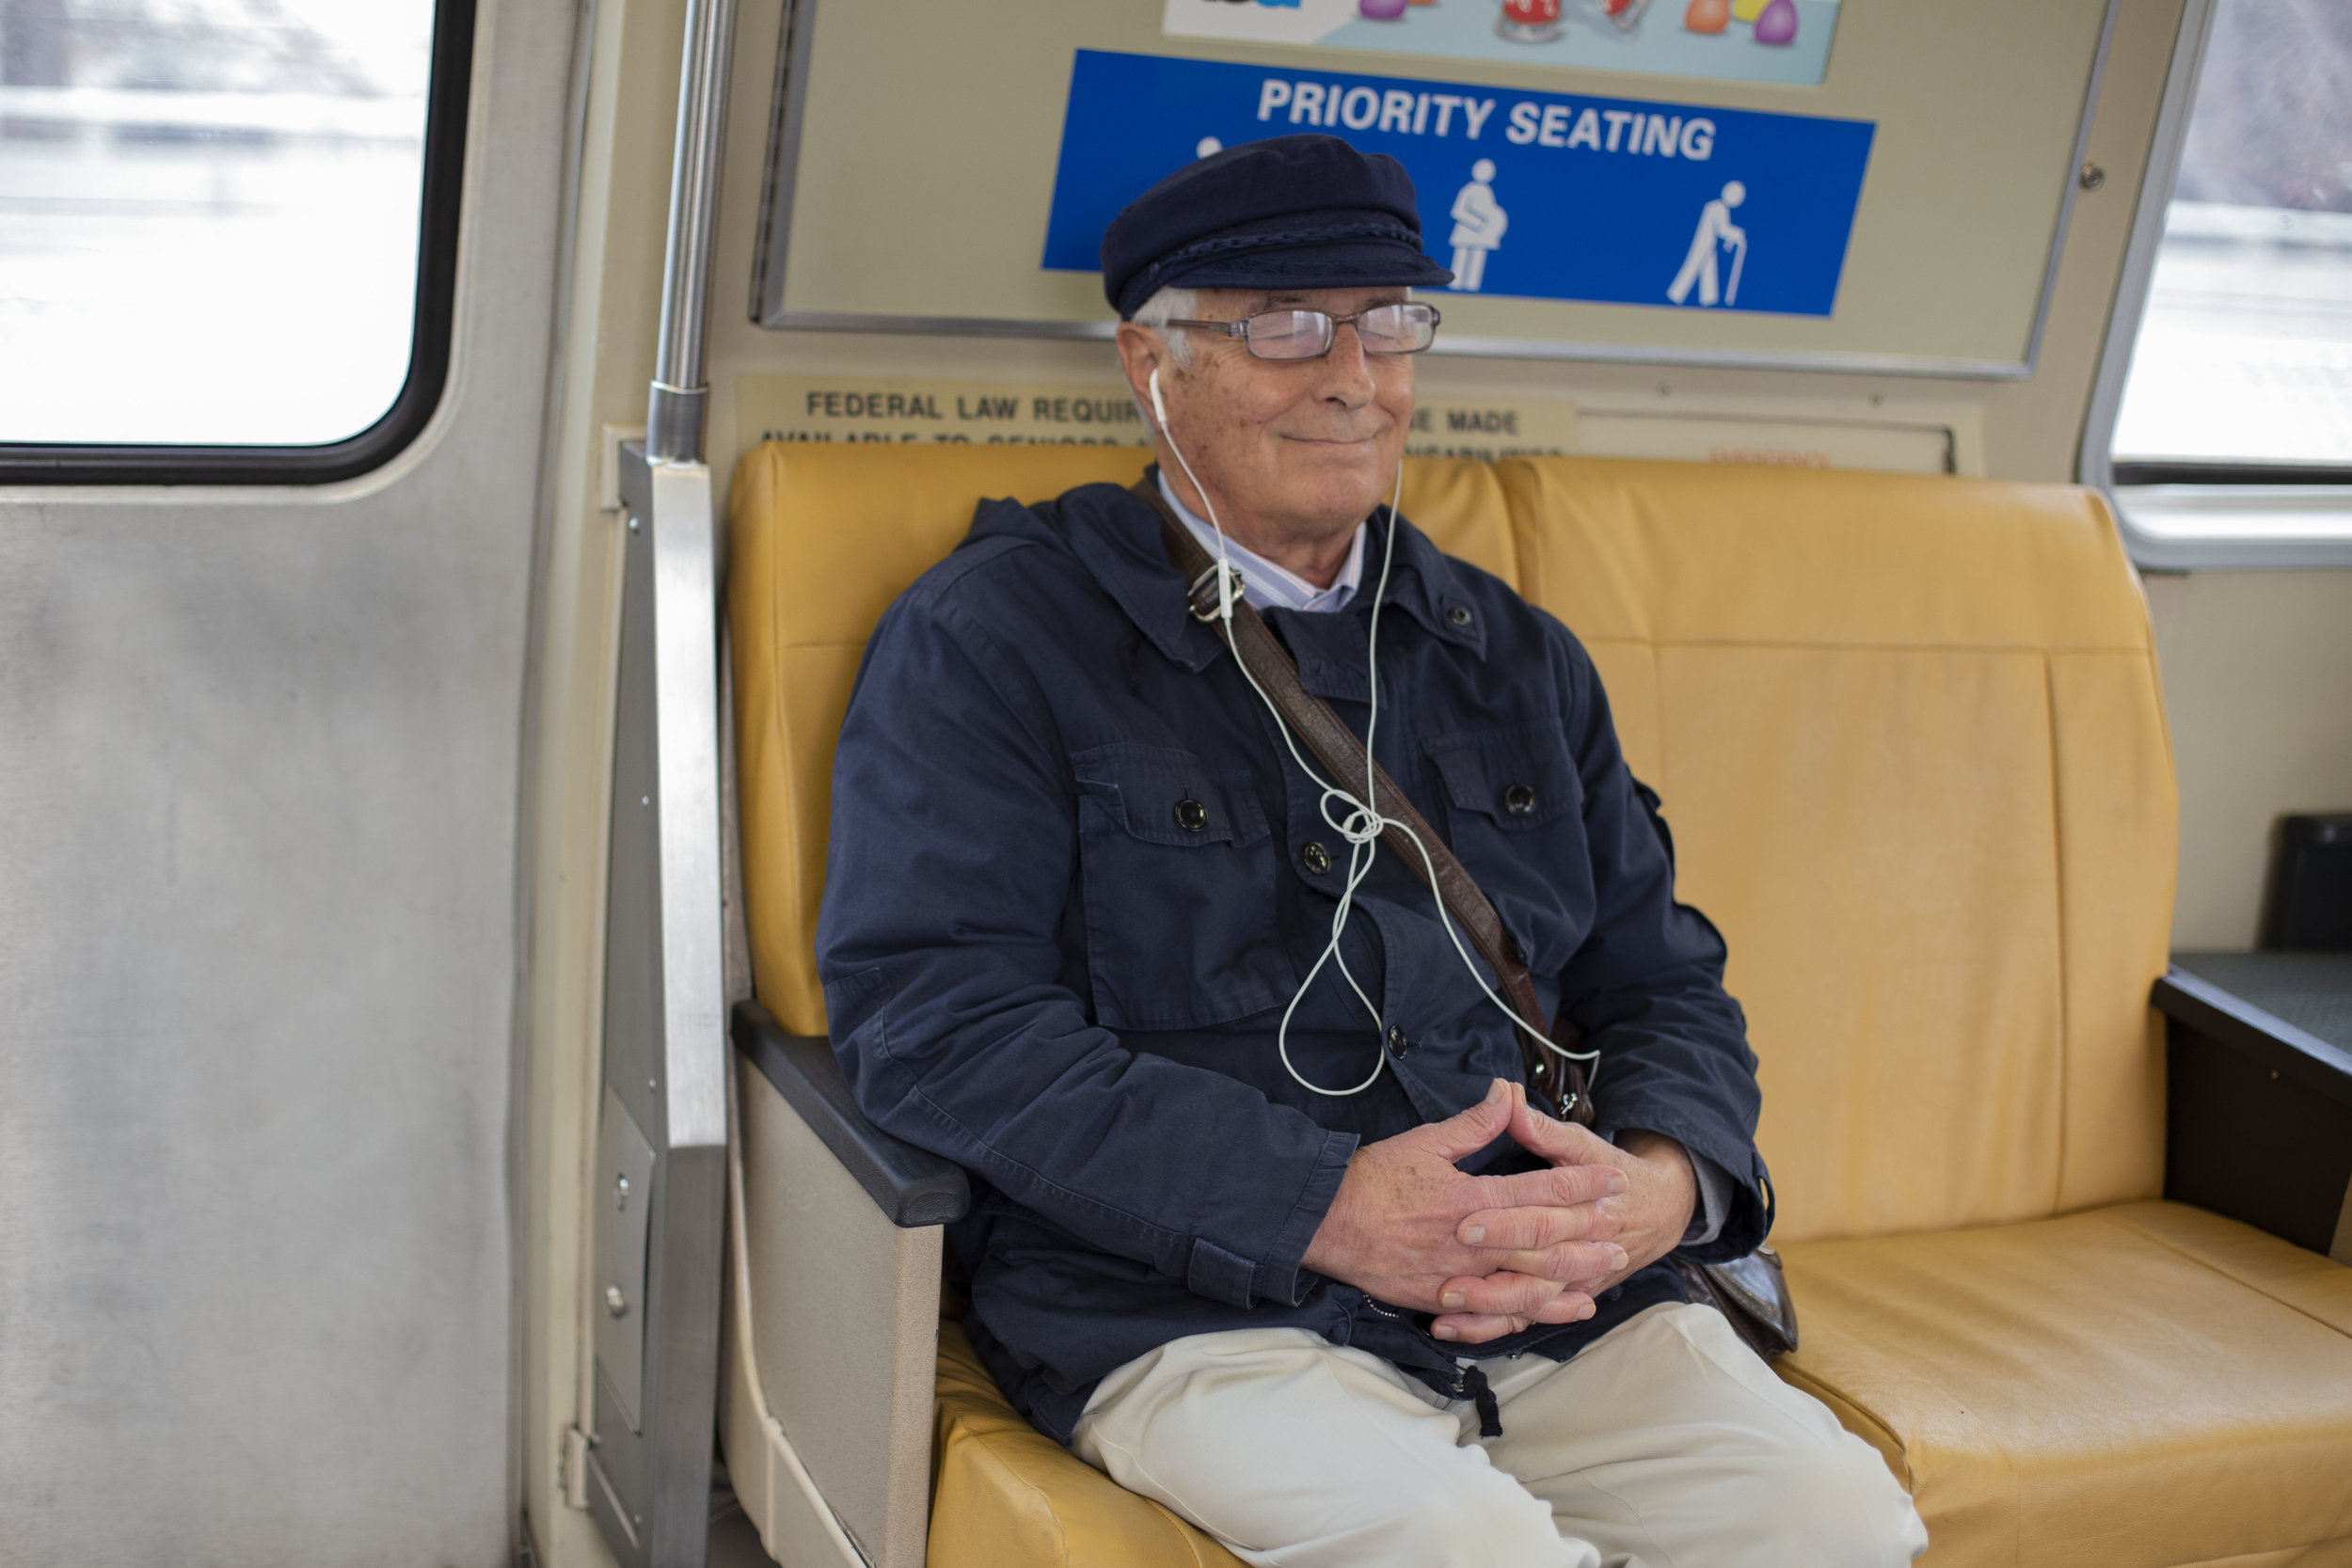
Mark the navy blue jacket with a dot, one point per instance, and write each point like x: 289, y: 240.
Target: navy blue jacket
x: 1034, y: 968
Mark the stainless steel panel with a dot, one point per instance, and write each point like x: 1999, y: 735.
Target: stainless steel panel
x: 258, y: 772
x: 624, y: 1195
x: 665, y: 1050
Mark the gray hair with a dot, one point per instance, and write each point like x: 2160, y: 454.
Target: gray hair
x: 1166, y: 306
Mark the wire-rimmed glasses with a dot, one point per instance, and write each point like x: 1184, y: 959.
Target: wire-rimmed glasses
x: 1407, y: 328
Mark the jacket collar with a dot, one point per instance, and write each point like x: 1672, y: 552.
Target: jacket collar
x: 1118, y: 538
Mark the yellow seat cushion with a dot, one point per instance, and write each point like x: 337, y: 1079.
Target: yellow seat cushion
x: 1006, y: 1496
x: 2138, y: 1386
x: 2142, y: 1387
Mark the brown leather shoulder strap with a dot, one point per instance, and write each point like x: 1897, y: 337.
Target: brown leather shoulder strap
x: 1559, y: 1085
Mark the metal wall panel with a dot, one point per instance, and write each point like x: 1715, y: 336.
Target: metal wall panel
x: 665, y: 1048
x: 259, y: 761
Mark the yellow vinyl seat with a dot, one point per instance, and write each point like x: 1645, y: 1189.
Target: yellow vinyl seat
x: 2145, y: 1383
x: 1913, y: 751
x: 1008, y: 1494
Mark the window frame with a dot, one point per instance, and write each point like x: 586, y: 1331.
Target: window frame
x: 2286, y: 515
x: 447, y: 98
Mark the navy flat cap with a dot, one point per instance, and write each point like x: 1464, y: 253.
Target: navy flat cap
x: 1289, y: 213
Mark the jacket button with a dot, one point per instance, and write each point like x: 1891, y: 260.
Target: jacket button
x: 1192, y: 815
x: 1519, y: 800
x: 1458, y: 614
x: 1398, y: 1044
x: 1318, y: 858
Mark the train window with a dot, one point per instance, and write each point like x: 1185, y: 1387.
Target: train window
x: 227, y: 234
x: 2234, y: 420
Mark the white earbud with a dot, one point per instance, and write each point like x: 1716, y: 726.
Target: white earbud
x: 1159, y: 409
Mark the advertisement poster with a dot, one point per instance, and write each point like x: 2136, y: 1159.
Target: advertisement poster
x: 1723, y: 40
x: 1539, y: 195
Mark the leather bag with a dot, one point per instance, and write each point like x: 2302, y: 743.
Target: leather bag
x: 1751, y: 1292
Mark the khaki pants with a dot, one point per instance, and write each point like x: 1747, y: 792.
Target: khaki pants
x: 1667, y: 1444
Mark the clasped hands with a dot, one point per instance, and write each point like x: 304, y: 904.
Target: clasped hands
x: 1491, y: 1255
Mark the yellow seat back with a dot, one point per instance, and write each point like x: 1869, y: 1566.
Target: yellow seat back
x: 1914, y: 757
x: 822, y: 539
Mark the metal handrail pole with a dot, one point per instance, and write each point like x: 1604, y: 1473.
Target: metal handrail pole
x: 678, y: 402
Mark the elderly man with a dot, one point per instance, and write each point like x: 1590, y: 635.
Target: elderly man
x: 1265, y: 1225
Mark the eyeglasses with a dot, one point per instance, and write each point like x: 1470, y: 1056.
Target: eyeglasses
x: 1405, y: 328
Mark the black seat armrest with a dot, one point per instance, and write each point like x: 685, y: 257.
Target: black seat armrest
x: 2259, y: 1124
x: 913, y: 1186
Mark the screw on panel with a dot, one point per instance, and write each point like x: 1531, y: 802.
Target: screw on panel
x: 2092, y: 177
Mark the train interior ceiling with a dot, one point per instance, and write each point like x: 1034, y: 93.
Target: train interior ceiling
x: 356, y: 592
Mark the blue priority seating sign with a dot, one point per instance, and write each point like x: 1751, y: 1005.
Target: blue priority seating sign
x: 1549, y: 196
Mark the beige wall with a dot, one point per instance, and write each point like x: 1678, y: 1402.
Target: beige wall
x: 2257, y: 669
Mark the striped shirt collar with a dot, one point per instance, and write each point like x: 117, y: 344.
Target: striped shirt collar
x: 1266, y: 585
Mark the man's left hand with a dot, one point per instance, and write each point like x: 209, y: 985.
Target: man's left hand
x: 1652, y: 1214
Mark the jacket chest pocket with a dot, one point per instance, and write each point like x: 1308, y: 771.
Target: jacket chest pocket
x: 1179, y: 873
x: 1515, y: 813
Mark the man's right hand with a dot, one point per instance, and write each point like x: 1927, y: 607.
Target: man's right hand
x: 1392, y: 1230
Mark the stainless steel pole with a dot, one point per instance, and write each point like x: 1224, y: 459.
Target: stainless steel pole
x: 676, y: 410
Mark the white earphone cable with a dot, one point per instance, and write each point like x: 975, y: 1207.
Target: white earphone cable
x: 1361, y: 824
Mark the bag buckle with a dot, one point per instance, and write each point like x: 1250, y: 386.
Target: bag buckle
x: 1204, y: 594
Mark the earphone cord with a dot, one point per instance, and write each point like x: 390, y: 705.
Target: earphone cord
x: 1361, y: 825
